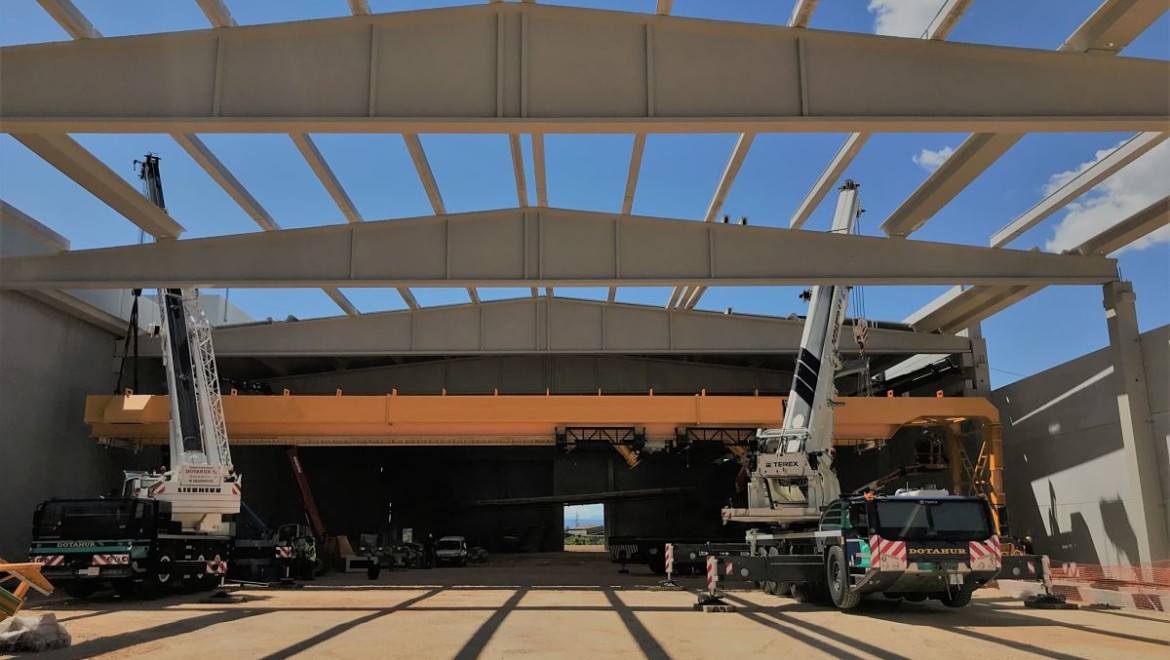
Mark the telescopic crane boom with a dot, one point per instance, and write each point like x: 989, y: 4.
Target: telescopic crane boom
x: 201, y: 484
x: 792, y: 477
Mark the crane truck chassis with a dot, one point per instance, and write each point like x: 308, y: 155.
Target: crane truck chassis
x: 169, y: 525
x: 913, y: 546
x: 130, y: 544
x: 810, y: 541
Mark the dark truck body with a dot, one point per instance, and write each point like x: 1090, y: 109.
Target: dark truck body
x: 121, y: 542
x: 913, y: 547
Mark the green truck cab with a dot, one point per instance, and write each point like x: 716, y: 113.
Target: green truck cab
x: 913, y: 545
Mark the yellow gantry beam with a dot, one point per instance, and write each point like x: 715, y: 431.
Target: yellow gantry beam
x: 497, y: 420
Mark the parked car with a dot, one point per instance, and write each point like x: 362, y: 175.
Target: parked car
x: 451, y: 550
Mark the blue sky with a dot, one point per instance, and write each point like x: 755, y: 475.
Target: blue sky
x: 679, y: 173
x: 584, y: 514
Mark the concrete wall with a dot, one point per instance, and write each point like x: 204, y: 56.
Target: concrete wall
x: 1064, y: 473
x: 49, y: 362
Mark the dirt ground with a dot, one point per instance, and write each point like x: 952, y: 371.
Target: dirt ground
x: 575, y: 605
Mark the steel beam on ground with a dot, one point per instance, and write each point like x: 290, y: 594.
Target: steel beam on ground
x: 958, y: 308
x: 545, y: 247
x: 554, y: 326
x: 948, y: 16
x: 570, y: 71
x: 217, y: 13
x: 1110, y: 28
x: 1077, y: 186
x: 63, y: 153
x: 69, y: 17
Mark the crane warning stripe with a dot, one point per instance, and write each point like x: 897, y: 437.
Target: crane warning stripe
x: 879, y: 547
x: 49, y: 560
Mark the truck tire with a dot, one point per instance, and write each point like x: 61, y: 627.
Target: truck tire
x: 808, y: 592
x: 957, y: 598
x: 159, y: 578
x: 837, y: 577
x: 782, y: 589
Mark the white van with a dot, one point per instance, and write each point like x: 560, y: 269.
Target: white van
x: 451, y: 550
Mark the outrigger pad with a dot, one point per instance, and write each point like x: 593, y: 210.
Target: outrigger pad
x: 1048, y: 602
x: 709, y: 603
x: 221, y: 597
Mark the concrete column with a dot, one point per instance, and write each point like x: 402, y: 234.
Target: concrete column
x: 975, y: 364
x: 1144, y: 496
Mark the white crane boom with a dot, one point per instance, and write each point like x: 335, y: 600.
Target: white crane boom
x: 793, y: 476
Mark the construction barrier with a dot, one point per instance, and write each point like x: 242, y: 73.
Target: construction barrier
x: 1136, y: 587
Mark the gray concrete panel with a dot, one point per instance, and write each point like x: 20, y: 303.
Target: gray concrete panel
x: 544, y: 68
x: 556, y: 248
x: 49, y: 362
x: 1066, y: 478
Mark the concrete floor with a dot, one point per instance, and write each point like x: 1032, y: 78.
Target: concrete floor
x: 578, y: 605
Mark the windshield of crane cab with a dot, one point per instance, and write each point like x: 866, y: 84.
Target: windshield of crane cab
x: 932, y: 520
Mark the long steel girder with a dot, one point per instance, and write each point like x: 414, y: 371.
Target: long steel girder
x: 547, y: 325
x: 946, y: 19
x: 545, y: 247
x: 62, y: 152
x: 532, y: 68
x: 959, y: 308
x: 1111, y: 27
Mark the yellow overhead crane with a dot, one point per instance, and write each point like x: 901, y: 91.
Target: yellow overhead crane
x: 536, y: 420
x: 506, y: 420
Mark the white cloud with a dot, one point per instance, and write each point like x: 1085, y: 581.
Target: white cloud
x: 931, y: 160
x: 903, y: 18
x: 1136, y: 186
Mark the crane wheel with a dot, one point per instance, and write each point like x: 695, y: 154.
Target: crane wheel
x: 837, y: 577
x: 956, y: 599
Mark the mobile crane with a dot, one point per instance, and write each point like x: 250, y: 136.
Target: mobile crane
x: 168, y: 525
x: 809, y: 541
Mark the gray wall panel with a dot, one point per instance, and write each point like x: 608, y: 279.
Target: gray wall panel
x: 1065, y: 475
x: 49, y: 362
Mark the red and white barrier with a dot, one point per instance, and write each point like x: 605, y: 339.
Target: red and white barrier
x: 669, y: 560
x: 712, y: 574
x: 110, y: 560
x: 216, y: 566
